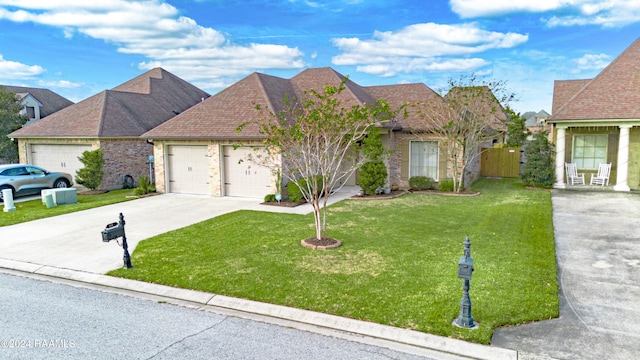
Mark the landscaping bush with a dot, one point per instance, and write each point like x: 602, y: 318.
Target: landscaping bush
x: 144, y: 187
x: 446, y: 185
x: 372, y: 176
x: 91, y: 174
x: 270, y: 198
x: 421, y: 183
x: 294, y: 192
x: 539, y: 169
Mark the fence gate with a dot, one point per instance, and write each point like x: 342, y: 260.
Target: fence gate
x: 500, y: 162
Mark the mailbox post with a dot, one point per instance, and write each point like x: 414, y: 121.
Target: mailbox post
x: 465, y: 270
x: 112, y: 232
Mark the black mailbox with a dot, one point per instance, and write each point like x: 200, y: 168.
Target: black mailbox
x: 465, y: 267
x: 112, y: 231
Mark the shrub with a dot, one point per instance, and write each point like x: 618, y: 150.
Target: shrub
x: 372, y: 176
x: 421, y: 183
x: 294, y: 192
x: 91, y: 174
x: 446, y: 185
x: 539, y: 169
x: 270, y: 198
x: 144, y: 187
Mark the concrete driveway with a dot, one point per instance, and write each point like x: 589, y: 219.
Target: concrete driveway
x: 74, y: 241
x: 598, y: 252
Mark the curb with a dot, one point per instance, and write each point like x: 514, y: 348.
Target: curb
x: 192, y: 298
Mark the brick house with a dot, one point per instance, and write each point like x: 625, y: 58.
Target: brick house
x: 598, y: 121
x: 113, y: 121
x: 200, y: 152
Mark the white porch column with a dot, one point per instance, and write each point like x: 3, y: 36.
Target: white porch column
x: 560, y: 143
x: 623, y: 160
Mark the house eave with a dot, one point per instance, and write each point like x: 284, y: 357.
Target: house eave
x: 564, y: 123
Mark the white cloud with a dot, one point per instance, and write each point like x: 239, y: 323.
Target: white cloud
x: 606, y: 13
x: 592, y: 62
x: 423, y: 47
x: 15, y: 70
x: 65, y: 84
x: 155, y: 30
x: 479, y: 8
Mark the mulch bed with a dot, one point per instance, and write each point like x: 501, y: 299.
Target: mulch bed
x: 322, y: 244
x: 391, y: 195
x: 283, y: 203
x: 92, y: 192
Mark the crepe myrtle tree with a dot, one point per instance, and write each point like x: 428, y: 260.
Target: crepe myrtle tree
x: 313, y: 141
x: 10, y: 121
x: 468, y: 113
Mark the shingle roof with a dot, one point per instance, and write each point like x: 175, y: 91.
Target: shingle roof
x: 563, y: 90
x: 128, y: 110
x: 219, y: 116
x: 612, y: 94
x: 51, y: 102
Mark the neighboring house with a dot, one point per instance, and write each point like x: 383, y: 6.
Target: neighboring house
x: 201, y: 152
x: 597, y: 121
x: 113, y: 121
x: 38, y: 103
x: 536, y: 121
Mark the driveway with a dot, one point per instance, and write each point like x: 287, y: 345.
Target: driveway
x: 74, y: 241
x: 598, y: 252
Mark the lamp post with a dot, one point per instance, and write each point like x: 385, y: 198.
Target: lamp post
x: 465, y: 270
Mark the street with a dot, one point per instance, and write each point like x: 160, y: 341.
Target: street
x: 45, y: 320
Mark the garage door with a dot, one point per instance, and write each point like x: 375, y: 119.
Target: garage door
x: 188, y: 169
x: 58, y: 157
x: 242, y: 178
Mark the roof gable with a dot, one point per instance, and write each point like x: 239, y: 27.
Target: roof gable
x: 135, y: 107
x: 612, y: 94
x: 51, y: 101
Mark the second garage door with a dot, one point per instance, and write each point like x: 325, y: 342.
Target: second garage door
x: 242, y: 178
x: 188, y: 169
x: 62, y: 158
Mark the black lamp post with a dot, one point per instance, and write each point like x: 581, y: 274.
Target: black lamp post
x: 112, y: 232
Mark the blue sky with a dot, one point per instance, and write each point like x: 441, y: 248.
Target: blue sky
x: 78, y: 48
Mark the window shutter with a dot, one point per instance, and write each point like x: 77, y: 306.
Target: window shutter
x: 404, y: 160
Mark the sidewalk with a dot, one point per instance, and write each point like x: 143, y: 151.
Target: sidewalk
x: 69, y: 248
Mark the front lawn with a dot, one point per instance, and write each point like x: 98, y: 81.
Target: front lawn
x: 397, y: 264
x: 34, y: 209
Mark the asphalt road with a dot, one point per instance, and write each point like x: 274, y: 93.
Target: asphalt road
x: 44, y: 320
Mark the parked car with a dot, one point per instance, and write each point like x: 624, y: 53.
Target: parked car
x: 25, y: 179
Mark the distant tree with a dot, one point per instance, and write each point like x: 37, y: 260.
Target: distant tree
x: 313, y: 141
x: 373, y: 173
x: 517, y: 131
x: 468, y: 113
x: 539, y: 168
x: 10, y: 121
x: 91, y: 174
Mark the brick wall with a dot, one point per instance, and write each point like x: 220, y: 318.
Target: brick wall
x: 124, y: 157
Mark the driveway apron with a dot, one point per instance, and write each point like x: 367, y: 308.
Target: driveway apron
x: 598, y: 254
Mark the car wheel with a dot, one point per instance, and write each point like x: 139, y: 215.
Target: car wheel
x: 61, y: 184
x: 6, y: 187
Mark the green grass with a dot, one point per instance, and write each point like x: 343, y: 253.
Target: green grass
x: 397, y: 264
x: 34, y: 209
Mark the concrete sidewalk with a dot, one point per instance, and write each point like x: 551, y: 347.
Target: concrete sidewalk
x: 69, y: 249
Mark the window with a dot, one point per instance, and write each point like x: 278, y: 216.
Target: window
x: 31, y: 112
x: 423, y: 160
x: 589, y: 151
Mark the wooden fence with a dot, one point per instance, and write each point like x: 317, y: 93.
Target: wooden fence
x: 500, y: 162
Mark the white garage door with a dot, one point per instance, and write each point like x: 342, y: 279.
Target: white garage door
x: 188, y: 169
x: 62, y: 158
x: 243, y: 178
